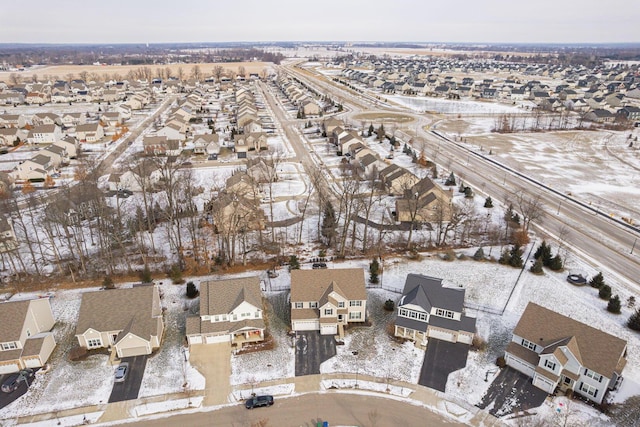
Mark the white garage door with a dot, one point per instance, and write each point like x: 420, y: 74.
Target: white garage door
x: 442, y: 335
x: 216, y: 339
x: 543, y: 384
x: 306, y: 325
x: 32, y: 363
x: 329, y: 330
x: 518, y: 365
x: 9, y: 368
x: 195, y: 339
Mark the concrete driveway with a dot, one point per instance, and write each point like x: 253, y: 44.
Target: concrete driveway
x: 311, y: 350
x: 440, y: 359
x: 511, y: 392
x: 213, y: 361
x: 130, y: 387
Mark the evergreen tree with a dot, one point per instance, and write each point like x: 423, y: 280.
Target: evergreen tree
x: 107, y: 283
x: 380, y: 132
x: 536, y: 268
x: 374, y: 271
x: 505, y: 257
x: 192, y: 291
x: 294, y: 264
x: 614, y: 305
x: 543, y: 252
x: 597, y: 281
x: 451, y: 180
x: 556, y: 263
x: 634, y: 320
x: 479, y: 255
x: 145, y: 275
x: 468, y: 192
x: 389, y: 305
x: 392, y: 141
x: 371, y: 129
x: 405, y: 149
x: 329, y: 224
x: 488, y: 203
x: 461, y: 188
x: 605, y: 292
x: 515, y: 256
x: 434, y: 172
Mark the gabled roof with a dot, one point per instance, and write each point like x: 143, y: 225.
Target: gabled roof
x: 12, y: 316
x: 596, y: 350
x: 428, y: 292
x: 312, y: 285
x: 223, y: 296
x: 132, y: 309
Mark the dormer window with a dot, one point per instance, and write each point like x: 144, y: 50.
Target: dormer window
x: 549, y: 364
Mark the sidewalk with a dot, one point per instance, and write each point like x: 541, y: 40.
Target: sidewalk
x: 121, y: 411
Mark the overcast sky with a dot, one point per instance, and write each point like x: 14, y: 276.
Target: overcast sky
x: 145, y: 21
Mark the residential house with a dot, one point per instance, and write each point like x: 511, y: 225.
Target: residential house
x: 128, y: 321
x: 35, y: 169
x: 397, y: 179
x: 242, y: 184
x: 40, y: 119
x: 160, y: 145
x: 428, y: 309
x: 207, y: 144
x: 557, y: 351
x: 44, y: 134
x: 89, y: 132
x: 327, y: 300
x: 247, y: 142
x: 12, y: 120
x: 232, y: 213
x: 629, y: 112
x: 11, y: 136
x: 173, y: 131
x: 231, y: 310
x: 309, y: 108
x: 131, y: 180
x: 73, y: 119
x: 424, y: 202
x: 26, y: 340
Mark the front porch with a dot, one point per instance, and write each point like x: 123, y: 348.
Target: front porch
x: 246, y: 337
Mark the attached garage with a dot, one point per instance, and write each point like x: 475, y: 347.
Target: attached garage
x: 132, y: 351
x: 519, y: 365
x: 544, y: 383
x: 306, y: 325
x: 32, y: 362
x: 217, y: 339
x: 329, y: 329
x: 132, y: 345
x: 9, y: 367
x: 442, y: 335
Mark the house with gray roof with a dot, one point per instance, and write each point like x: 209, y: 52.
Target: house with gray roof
x: 231, y: 311
x: 428, y: 309
x: 558, y: 352
x: 26, y: 340
x: 327, y: 300
x: 127, y: 321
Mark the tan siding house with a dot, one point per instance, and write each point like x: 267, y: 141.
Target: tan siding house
x: 327, y: 300
x: 128, y: 321
x: 26, y: 340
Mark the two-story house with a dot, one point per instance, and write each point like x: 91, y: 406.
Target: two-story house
x: 559, y: 352
x: 327, y: 300
x: 428, y: 309
x: 230, y: 311
x: 26, y: 340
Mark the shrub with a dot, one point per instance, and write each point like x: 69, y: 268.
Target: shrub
x: 145, y: 275
x: 536, y: 268
x: 597, y: 281
x: 478, y: 343
x: 488, y: 203
x: 192, y: 291
x: 107, y: 283
x: 605, y: 292
x: 556, y: 263
x: 374, y: 270
x: 614, y: 305
x: 176, y: 275
x: 389, y: 305
x: 479, y: 255
x: 294, y: 264
x: 501, y: 362
x: 515, y: 256
x: 634, y: 321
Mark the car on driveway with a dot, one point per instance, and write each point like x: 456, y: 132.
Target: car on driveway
x: 11, y: 384
x: 257, y: 401
x: 319, y: 265
x: 121, y: 372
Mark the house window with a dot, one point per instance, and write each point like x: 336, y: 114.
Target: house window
x: 340, y: 304
x: 549, y: 364
x: 589, y: 389
x: 423, y: 317
x: 593, y: 375
x: 403, y: 312
x: 328, y: 311
x: 299, y: 305
x: 28, y: 333
x: 355, y: 303
x: 313, y: 304
x: 444, y: 313
x: 567, y: 380
x: 9, y: 345
x: 413, y: 314
x: 94, y: 342
x: 257, y: 314
x: 528, y: 344
x: 355, y: 315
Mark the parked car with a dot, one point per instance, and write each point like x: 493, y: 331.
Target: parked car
x: 317, y: 265
x: 11, y: 384
x: 121, y: 372
x: 257, y: 401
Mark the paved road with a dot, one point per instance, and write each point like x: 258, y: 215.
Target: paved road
x: 590, y: 235
x: 306, y: 410
x: 440, y: 359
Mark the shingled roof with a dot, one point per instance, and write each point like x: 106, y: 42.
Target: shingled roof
x: 311, y: 285
x: 595, y: 349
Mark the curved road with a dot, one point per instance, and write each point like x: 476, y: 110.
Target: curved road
x: 306, y: 410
